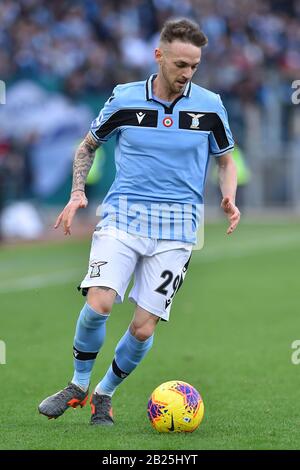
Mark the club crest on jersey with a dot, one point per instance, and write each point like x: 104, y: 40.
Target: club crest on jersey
x: 195, y: 120
x: 168, y: 122
x: 96, y: 268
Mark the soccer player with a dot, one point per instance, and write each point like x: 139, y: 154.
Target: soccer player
x: 166, y: 127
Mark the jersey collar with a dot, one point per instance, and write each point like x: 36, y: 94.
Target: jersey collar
x: 149, y: 88
x: 168, y: 109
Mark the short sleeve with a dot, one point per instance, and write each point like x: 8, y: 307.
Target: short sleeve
x: 220, y: 138
x: 105, y: 125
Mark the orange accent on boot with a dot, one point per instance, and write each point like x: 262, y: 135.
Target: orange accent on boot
x: 74, y: 402
x: 84, y: 401
x: 93, y: 408
x: 111, y: 413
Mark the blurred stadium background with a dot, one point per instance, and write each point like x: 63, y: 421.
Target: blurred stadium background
x: 59, y: 61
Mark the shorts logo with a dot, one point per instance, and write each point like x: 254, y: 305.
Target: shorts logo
x: 168, y: 122
x: 96, y: 268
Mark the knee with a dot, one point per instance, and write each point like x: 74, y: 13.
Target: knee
x: 141, y: 333
x: 101, y: 300
x: 103, y: 307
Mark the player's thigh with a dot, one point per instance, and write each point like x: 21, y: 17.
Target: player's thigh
x: 158, y: 278
x: 111, y: 265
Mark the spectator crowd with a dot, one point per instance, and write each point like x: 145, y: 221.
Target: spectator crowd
x: 85, y: 47
x: 90, y: 45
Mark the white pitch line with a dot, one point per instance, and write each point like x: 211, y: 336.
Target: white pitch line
x: 236, y: 250
x: 240, y: 250
x: 40, y: 281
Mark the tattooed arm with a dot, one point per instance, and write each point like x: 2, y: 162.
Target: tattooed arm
x: 83, y: 160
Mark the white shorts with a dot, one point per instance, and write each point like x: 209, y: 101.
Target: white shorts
x: 158, y: 266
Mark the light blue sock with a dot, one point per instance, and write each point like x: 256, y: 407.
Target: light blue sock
x: 128, y: 354
x: 89, y: 337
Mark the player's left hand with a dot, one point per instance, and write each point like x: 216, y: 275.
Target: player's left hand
x: 232, y: 212
x: 77, y: 201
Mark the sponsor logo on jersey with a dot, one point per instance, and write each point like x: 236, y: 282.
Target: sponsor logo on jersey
x: 140, y: 116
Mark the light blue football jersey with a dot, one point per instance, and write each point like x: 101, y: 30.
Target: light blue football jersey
x: 161, y: 156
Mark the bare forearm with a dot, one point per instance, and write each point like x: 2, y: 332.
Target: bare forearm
x: 83, y: 161
x: 228, y: 178
x: 228, y: 185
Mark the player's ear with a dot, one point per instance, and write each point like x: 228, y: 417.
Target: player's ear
x: 158, y: 55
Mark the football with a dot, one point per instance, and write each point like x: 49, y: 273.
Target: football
x: 175, y: 406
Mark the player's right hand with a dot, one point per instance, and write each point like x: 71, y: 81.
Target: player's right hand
x: 77, y: 201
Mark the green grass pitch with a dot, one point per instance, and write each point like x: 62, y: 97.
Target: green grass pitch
x: 230, y: 335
